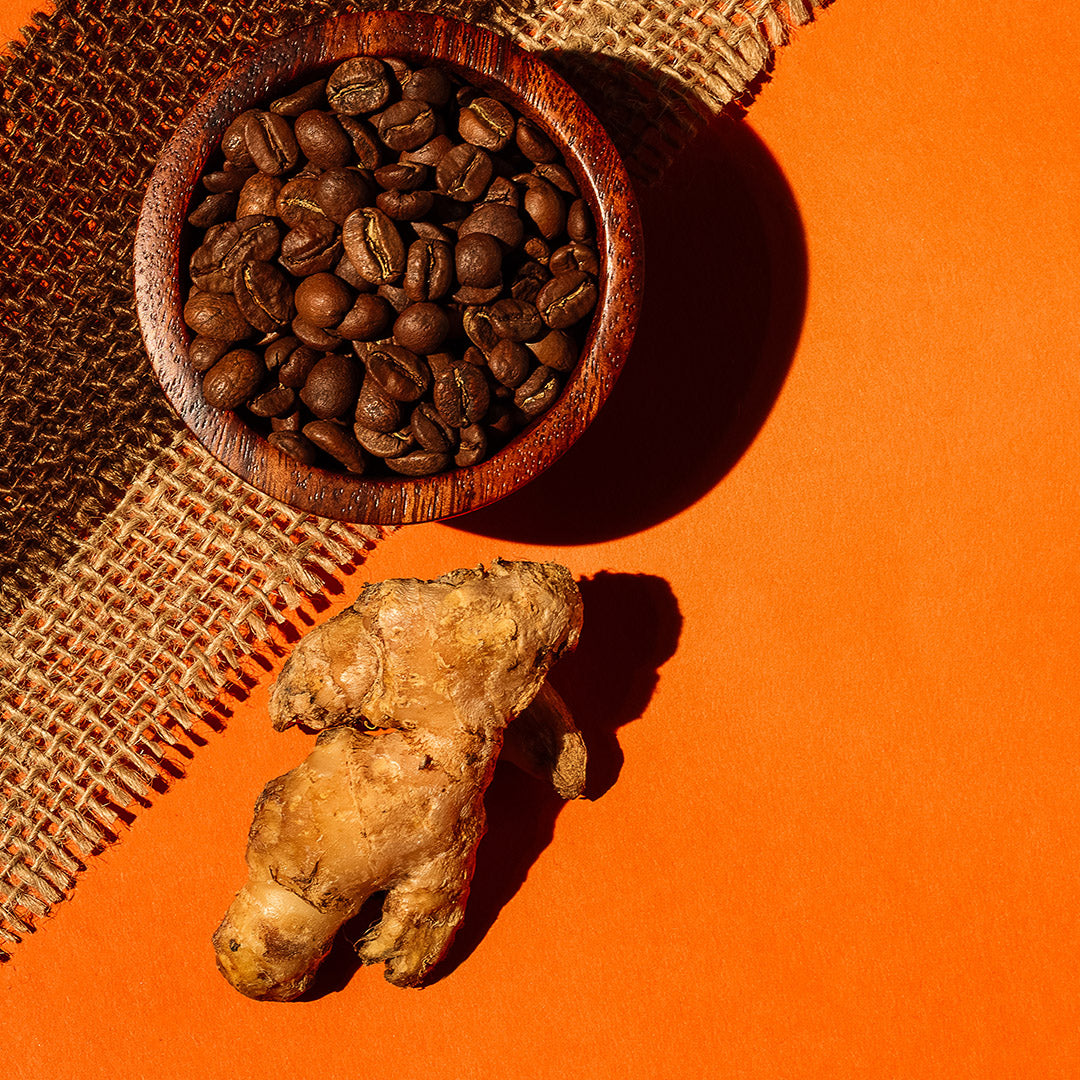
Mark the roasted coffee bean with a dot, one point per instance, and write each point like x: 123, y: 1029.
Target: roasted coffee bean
x: 473, y: 446
x: 351, y: 276
x: 367, y: 319
x: 486, y: 122
x: 517, y: 320
x: 338, y: 442
x: 510, y: 362
x: 271, y: 143
x: 528, y: 281
x: 545, y: 206
x: 310, y: 249
x: 470, y: 295
x: 537, y: 249
x: 538, y: 392
x: 419, y: 463
x: 384, y: 444
x: 307, y: 97
x: 259, y: 196
x: 498, y: 220
x: 555, y: 350
x: 295, y: 445
x: 315, y: 337
x: 366, y: 145
x: 205, y: 352
x: 375, y: 408
x: 401, y: 176
x: 422, y: 327
x: 461, y: 394
x: 431, y: 153
x: 427, y: 84
x: 430, y: 430
x: 263, y: 295
x: 288, y: 422
x: 323, y: 299
x: 322, y: 139
x: 277, y: 352
x: 575, y: 256
x: 338, y: 192
x: 405, y: 205
x: 216, y: 315
x: 358, y: 86
x: 234, y: 379
x: 296, y: 368
x: 478, y: 260
x: 406, y: 124
x: 560, y: 176
x: 503, y: 190
x: 374, y: 245
x: 298, y: 205
x: 213, y: 264
x: 400, y: 372
x: 429, y: 270
x: 476, y: 322
x: 464, y: 172
x: 533, y: 143
x: 579, y: 222
x: 332, y: 386
x: 213, y: 209
x: 230, y: 178
x: 567, y: 299
x: 234, y: 141
x: 395, y: 296
x: 274, y: 402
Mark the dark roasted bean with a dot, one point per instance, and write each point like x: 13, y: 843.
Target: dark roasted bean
x: 339, y: 192
x: 323, y: 299
x: 419, y: 463
x: 421, y: 328
x: 375, y: 408
x: 486, y: 122
x: 461, y: 394
x: 234, y: 379
x: 464, y: 172
x: 332, y: 386
x: 271, y: 143
x: 216, y: 315
x: 358, y: 86
x: 274, y: 402
x: 322, y: 139
x: 295, y: 445
x: 263, y: 295
x: 374, y: 245
x: 338, y: 442
x: 367, y: 319
x: 533, y: 143
x: 406, y: 124
x: 429, y: 270
x: 538, y: 392
x: 384, y: 444
x: 401, y: 373
x: 567, y: 299
x: 307, y: 97
x: 310, y: 249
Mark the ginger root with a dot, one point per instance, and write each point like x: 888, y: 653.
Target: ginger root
x: 411, y: 688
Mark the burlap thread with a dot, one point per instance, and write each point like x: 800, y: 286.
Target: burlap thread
x: 136, y: 574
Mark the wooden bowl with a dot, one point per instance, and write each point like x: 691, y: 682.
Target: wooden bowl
x: 525, y: 83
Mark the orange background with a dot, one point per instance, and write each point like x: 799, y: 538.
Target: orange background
x: 830, y: 671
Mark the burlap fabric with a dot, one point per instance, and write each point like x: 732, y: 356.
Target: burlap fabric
x: 135, y: 573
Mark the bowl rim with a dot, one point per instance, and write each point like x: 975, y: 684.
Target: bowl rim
x: 490, y: 61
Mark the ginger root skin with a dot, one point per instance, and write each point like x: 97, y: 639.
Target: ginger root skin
x: 411, y: 689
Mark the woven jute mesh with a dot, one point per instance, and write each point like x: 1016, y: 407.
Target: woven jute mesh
x: 136, y: 574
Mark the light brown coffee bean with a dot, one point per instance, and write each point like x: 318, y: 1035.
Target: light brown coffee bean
x: 538, y: 392
x: 295, y: 445
x: 487, y: 123
x: 322, y: 139
x: 422, y: 327
x: 401, y: 373
x: 263, y: 295
x: 367, y: 320
x: 566, y: 299
x: 307, y: 97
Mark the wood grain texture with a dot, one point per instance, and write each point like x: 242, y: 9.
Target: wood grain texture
x: 524, y: 82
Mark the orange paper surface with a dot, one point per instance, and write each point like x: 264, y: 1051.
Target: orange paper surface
x: 827, y: 532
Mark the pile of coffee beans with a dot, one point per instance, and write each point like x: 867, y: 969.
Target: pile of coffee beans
x: 394, y: 271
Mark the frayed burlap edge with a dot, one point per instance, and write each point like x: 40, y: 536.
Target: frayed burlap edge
x: 107, y: 674
x: 107, y: 670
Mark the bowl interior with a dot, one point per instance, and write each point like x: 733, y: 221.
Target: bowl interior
x: 505, y: 71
